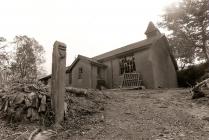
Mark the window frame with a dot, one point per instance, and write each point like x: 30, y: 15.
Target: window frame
x: 80, y: 73
x: 127, y: 64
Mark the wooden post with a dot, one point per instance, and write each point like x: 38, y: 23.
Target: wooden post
x: 58, y: 80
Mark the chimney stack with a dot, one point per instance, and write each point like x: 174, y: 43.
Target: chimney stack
x: 152, y: 31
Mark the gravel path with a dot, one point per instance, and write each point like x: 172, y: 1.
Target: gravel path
x: 151, y: 114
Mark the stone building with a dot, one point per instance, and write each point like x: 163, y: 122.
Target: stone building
x: 151, y: 58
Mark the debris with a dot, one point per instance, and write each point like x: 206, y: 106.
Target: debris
x: 197, y: 91
x: 39, y: 134
x: 33, y: 104
x: 163, y: 106
x: 77, y: 91
x: 24, y: 101
x: 197, y: 94
x: 42, y: 107
x: 161, y: 135
x: 205, y: 118
x: 182, y: 135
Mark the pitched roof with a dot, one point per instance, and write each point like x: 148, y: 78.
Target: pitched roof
x: 81, y: 57
x: 91, y: 60
x: 151, y: 27
x: 135, y: 46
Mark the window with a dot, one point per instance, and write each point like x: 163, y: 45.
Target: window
x: 80, y: 73
x: 127, y: 64
x: 70, y: 78
x: 98, y: 73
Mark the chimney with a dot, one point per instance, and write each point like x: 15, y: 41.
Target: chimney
x: 152, y: 31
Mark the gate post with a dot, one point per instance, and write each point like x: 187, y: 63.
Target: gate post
x: 58, y: 80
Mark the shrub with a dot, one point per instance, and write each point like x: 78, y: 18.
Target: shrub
x: 188, y: 77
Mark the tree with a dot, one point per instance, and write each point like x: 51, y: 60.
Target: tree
x: 3, y: 54
x: 28, y: 58
x: 188, y: 23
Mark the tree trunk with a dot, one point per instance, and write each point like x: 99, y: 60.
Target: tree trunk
x: 206, y: 52
x: 204, y: 41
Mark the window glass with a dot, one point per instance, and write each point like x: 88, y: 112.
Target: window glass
x: 80, y: 73
x: 127, y: 64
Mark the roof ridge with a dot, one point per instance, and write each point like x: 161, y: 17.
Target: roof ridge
x: 136, y: 45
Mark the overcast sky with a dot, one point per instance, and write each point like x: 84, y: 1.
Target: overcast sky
x: 87, y: 27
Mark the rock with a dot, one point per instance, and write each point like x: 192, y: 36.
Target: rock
x: 42, y: 107
x: 205, y: 118
x: 6, y: 105
x: 29, y: 112
x: 102, y: 118
x: 39, y: 134
x: 182, y: 135
x: 161, y: 135
x: 28, y: 102
x: 163, y: 106
x: 166, y: 132
x: 45, y: 135
x: 19, y: 115
x: 197, y: 94
x: 20, y: 97
x: 65, y: 108
x: 34, y: 115
x: 34, y: 100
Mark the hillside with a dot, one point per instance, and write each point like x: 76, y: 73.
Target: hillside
x: 137, y: 114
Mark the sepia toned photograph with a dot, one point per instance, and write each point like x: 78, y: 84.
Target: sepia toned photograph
x: 104, y: 70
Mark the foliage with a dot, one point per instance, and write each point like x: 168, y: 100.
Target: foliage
x: 188, y: 77
x: 28, y: 59
x: 188, y: 24
x: 3, y: 54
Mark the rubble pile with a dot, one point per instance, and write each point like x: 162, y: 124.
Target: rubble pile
x: 83, y: 101
x: 83, y: 107
x: 32, y: 102
x: 22, y: 102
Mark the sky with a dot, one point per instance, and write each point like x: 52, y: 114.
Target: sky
x: 87, y: 27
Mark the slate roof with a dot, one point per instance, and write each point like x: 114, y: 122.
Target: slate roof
x: 91, y: 60
x: 134, y: 46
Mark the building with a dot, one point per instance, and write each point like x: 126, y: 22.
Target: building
x: 151, y: 58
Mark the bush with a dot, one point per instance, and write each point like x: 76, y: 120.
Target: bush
x: 188, y: 77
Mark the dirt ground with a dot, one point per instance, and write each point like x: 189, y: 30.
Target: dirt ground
x: 140, y: 115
